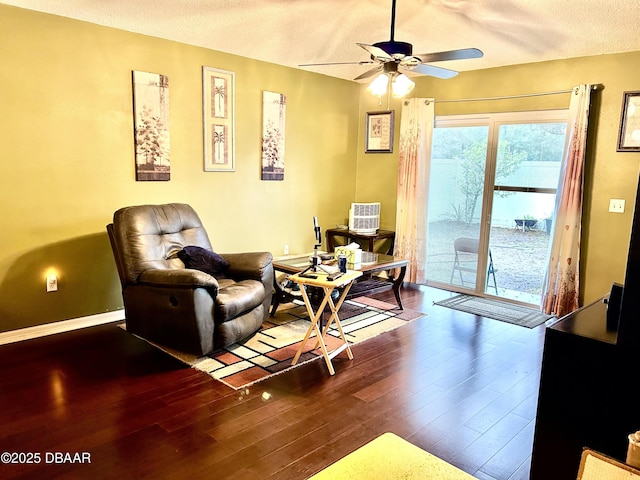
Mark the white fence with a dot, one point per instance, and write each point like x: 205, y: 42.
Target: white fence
x: 445, y: 194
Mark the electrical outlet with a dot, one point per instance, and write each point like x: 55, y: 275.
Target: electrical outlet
x: 286, y: 249
x: 52, y: 283
x: 616, y: 205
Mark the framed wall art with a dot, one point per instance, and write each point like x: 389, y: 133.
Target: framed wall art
x: 274, y: 107
x: 218, y: 88
x: 629, y: 135
x: 151, y: 126
x: 379, y: 132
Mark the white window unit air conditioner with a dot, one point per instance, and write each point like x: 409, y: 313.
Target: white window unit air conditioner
x: 364, y: 218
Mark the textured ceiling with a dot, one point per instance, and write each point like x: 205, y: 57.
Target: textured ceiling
x: 292, y: 32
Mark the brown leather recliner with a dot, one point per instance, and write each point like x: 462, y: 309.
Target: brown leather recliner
x: 181, y: 308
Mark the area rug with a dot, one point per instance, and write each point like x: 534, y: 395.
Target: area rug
x: 270, y: 350
x: 496, y: 309
x: 391, y: 457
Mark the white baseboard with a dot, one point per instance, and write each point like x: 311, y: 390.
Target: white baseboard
x: 60, y: 327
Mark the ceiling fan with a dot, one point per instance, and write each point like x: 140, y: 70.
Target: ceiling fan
x: 394, y: 58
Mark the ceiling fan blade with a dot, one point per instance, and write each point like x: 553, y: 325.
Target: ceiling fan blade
x: 433, y: 71
x: 376, y: 52
x: 368, y: 62
x: 461, y: 54
x: 369, y: 73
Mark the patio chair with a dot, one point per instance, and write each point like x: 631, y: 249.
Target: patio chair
x: 466, y: 261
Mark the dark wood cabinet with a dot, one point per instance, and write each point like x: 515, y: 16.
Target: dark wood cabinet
x: 368, y: 239
x: 589, y: 394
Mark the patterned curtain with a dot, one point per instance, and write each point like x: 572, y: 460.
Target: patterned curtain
x: 562, y: 279
x: 414, y: 160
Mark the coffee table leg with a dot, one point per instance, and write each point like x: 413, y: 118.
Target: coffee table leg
x: 397, y: 285
x: 279, y: 296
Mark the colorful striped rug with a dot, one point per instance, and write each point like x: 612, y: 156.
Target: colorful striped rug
x: 270, y: 350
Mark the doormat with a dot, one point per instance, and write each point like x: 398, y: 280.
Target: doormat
x: 496, y: 309
x: 270, y: 351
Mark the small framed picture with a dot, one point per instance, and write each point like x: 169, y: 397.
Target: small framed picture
x: 629, y: 135
x: 218, y: 108
x: 379, y: 132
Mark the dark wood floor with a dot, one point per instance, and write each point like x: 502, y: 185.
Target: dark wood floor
x: 459, y: 386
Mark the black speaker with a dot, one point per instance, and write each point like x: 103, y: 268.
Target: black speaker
x: 613, y: 307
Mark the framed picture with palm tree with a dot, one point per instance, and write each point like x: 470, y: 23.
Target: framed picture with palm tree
x: 218, y: 102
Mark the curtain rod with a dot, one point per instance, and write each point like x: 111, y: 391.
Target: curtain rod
x: 507, y: 97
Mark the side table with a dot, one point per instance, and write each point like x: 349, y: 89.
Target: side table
x: 327, y: 286
x: 331, y: 233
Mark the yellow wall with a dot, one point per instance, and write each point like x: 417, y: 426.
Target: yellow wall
x: 66, y: 137
x: 609, y: 174
x: 67, y: 155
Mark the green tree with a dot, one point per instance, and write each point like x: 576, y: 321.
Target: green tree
x: 517, y: 143
x: 473, y: 168
x: 539, y: 141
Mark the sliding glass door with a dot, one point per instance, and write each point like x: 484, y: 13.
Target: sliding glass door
x: 491, y: 200
x: 456, y: 190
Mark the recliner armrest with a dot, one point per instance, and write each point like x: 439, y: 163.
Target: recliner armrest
x: 183, y: 277
x: 248, y: 265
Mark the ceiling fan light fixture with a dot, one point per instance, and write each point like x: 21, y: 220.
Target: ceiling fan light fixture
x: 379, y: 86
x: 401, y: 86
x: 392, y: 54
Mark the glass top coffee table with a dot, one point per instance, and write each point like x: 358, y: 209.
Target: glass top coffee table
x: 369, y: 283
